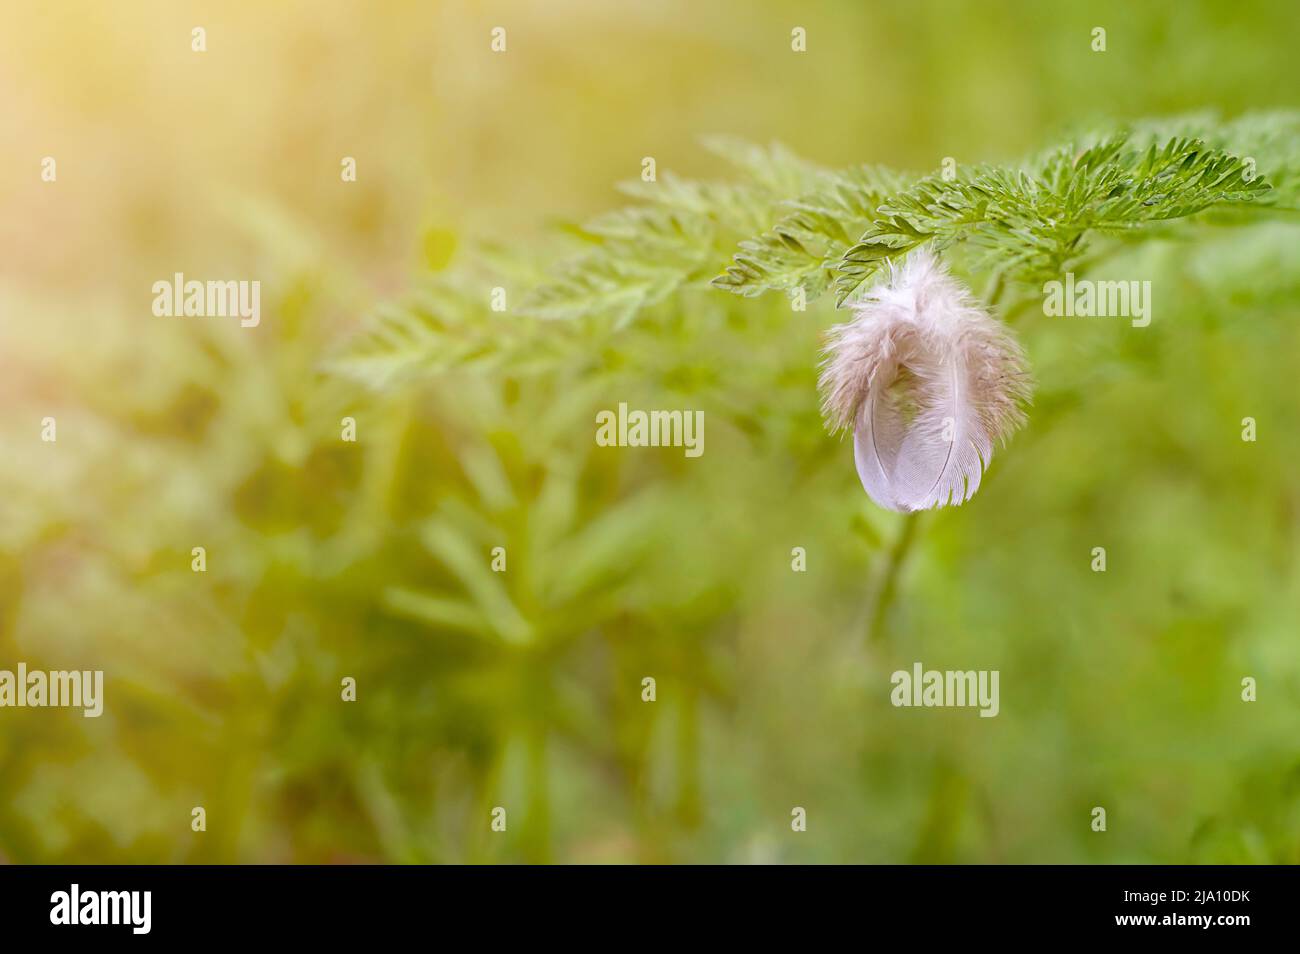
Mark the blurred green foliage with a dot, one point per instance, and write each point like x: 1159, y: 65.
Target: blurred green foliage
x: 475, y: 689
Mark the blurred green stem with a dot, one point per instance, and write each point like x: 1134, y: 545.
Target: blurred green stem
x: 885, y: 585
x: 688, y: 761
x: 538, y: 839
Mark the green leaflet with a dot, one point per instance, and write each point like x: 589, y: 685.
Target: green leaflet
x: 1030, y: 223
x: 802, y: 249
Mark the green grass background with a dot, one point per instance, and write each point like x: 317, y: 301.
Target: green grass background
x: 369, y: 560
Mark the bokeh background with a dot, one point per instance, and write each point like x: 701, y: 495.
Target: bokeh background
x: 329, y: 559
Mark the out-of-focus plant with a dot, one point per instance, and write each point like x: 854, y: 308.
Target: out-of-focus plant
x: 373, y: 560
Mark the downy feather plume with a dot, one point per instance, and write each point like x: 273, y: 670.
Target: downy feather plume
x: 929, y: 382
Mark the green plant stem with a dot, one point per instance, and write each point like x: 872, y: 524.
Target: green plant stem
x: 885, y: 585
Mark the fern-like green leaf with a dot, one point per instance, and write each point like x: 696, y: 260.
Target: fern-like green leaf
x: 803, y: 248
x: 1032, y: 223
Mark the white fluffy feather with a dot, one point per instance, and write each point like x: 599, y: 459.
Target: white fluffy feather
x: 929, y: 382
